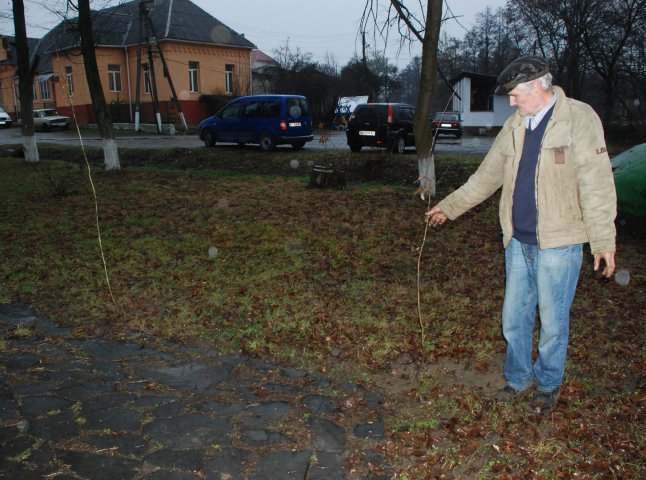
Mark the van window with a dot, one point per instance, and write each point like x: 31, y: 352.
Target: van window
x: 404, y: 114
x: 270, y: 108
x: 231, y: 111
x: 252, y: 109
x: 371, y: 113
x: 297, y: 107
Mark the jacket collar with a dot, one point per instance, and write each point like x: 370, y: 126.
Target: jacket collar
x: 562, y: 116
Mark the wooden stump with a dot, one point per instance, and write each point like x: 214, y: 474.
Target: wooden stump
x: 326, y: 177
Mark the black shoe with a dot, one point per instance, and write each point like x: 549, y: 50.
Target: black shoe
x: 508, y: 394
x: 544, y: 402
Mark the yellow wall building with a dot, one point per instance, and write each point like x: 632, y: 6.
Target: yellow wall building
x: 203, y: 56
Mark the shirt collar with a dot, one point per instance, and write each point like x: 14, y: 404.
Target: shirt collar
x: 532, y: 122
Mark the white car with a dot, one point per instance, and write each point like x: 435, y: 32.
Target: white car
x: 5, y: 118
x: 48, y: 118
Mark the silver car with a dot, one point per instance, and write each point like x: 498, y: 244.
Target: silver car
x: 48, y: 118
x: 5, y: 118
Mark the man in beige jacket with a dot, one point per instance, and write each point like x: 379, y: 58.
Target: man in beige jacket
x: 551, y: 161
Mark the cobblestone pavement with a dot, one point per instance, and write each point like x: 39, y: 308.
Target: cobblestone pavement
x: 78, y: 408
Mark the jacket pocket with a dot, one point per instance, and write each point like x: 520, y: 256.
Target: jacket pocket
x: 558, y: 190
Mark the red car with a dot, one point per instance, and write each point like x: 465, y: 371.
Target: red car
x: 447, y: 123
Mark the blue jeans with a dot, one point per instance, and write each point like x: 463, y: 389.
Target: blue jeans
x: 546, y: 278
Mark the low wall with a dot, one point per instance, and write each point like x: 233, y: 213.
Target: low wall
x: 167, y: 128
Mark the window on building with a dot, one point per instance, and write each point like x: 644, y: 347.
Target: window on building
x: 34, y: 97
x: 482, y: 94
x: 147, y: 86
x: 114, y: 77
x: 193, y: 75
x: 228, y: 78
x: 69, y: 80
x: 44, y: 89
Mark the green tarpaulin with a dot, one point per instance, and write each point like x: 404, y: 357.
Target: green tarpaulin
x: 630, y: 180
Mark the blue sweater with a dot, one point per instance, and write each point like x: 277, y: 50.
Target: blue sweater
x: 524, y: 206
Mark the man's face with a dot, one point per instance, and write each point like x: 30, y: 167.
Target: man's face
x: 528, y: 98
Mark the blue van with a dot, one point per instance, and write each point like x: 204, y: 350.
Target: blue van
x: 267, y: 120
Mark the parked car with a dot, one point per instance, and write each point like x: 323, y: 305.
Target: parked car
x: 383, y: 125
x: 447, y: 123
x: 48, y: 118
x: 267, y: 120
x: 5, y: 118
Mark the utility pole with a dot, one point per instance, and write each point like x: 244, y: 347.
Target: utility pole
x: 174, y: 98
x: 153, y: 41
x: 153, y: 85
x: 138, y: 88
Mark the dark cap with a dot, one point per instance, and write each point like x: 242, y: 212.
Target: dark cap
x: 521, y: 70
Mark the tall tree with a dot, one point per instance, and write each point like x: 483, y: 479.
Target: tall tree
x: 357, y: 79
x: 101, y: 112
x: 633, y: 81
x: 607, y: 42
x: 295, y: 72
x: 559, y: 28
x: 494, y: 37
x: 423, y: 26
x: 409, y: 81
x: 386, y: 72
x: 25, y: 83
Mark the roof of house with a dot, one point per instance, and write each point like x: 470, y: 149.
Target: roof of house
x: 479, y: 76
x: 119, y: 26
x: 9, y: 44
x: 258, y: 56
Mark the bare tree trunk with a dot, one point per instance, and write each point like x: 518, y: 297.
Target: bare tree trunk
x: 407, y: 20
x: 25, y: 84
x: 428, y: 80
x: 103, y: 120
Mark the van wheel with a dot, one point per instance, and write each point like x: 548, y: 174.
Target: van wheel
x: 266, y: 141
x: 208, y: 138
x: 45, y: 127
x: 355, y: 147
x: 399, y: 145
x: 298, y: 145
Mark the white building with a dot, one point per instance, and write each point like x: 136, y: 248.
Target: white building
x: 482, y: 110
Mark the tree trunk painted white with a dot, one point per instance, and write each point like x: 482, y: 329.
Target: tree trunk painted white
x: 111, y: 154
x: 429, y: 37
x: 103, y: 119
x: 24, y: 71
x: 426, y: 168
x: 30, y: 148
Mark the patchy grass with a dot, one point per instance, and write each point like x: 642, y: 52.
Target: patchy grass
x: 201, y: 248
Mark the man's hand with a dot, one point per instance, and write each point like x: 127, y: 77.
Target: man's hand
x: 435, y: 217
x: 609, y: 259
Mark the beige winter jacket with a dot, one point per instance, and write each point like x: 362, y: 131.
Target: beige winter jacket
x: 575, y: 190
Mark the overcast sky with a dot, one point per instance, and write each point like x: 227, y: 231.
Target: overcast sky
x: 326, y: 29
